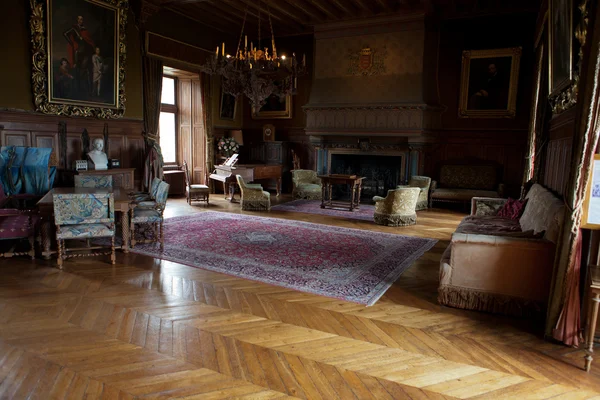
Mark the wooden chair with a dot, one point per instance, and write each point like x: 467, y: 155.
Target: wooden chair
x: 194, y: 192
x: 84, y: 216
x: 152, y: 216
x: 93, y: 181
x: 146, y: 199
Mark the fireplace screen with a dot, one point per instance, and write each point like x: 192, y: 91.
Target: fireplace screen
x: 381, y: 173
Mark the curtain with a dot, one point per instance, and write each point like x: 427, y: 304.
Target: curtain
x: 205, y: 82
x: 535, y: 122
x: 152, y: 75
x: 564, y: 308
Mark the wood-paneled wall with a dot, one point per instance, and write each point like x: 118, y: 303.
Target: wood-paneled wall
x: 29, y: 129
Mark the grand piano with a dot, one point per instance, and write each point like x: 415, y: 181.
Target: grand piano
x: 250, y: 172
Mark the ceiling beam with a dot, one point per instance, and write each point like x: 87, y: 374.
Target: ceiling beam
x: 308, y: 9
x: 326, y: 8
x: 346, y: 7
x: 385, y: 5
x: 363, y: 5
x: 254, y: 9
x: 201, y: 20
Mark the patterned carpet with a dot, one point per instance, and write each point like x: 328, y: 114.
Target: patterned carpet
x: 365, y: 212
x: 347, y: 264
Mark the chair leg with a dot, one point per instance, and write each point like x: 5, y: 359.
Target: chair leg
x: 59, y: 259
x: 113, y: 258
x: 162, y: 236
x: 132, y: 232
x: 32, y: 247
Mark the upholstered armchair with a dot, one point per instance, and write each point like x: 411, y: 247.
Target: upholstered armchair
x: 93, y: 181
x: 254, y: 198
x: 151, y: 215
x: 84, y: 216
x: 146, y: 199
x: 397, y: 208
x: 194, y: 192
x: 306, y: 184
x: 422, y: 182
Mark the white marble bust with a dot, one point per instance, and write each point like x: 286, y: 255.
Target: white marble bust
x: 97, y: 157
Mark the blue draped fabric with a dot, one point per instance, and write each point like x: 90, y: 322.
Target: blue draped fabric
x: 6, y: 154
x: 25, y: 170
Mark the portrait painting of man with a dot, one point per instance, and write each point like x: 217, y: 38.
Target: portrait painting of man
x: 561, y: 45
x: 83, y: 59
x: 275, y: 107
x: 489, y: 81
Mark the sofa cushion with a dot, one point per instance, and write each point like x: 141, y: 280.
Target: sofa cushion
x: 462, y: 194
x: 543, y: 212
x: 512, y: 209
x: 468, y: 177
x: 487, y: 225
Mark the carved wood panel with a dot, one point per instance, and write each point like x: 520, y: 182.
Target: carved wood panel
x: 12, y: 138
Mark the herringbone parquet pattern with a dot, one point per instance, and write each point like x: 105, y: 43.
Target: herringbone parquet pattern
x: 150, y: 329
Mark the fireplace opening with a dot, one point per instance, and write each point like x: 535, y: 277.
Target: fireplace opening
x: 381, y: 172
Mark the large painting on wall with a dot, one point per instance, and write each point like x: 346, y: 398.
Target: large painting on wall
x: 79, y: 68
x: 489, y: 81
x: 275, y: 108
x: 561, y: 45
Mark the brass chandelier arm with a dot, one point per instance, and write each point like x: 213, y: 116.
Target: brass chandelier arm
x: 237, y: 51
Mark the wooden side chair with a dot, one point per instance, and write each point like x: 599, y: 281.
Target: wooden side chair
x: 84, y: 216
x: 194, y: 192
x: 93, y: 181
x: 146, y: 199
x: 152, y: 216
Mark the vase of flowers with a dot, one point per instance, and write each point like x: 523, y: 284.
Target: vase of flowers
x: 228, y: 146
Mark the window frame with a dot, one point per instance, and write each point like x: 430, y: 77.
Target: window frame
x: 172, y: 109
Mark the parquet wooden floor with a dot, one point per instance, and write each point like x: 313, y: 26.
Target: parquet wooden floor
x: 145, y: 328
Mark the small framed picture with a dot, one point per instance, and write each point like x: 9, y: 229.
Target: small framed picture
x: 228, y: 106
x: 591, y: 203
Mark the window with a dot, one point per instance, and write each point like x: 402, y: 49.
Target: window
x: 168, y: 121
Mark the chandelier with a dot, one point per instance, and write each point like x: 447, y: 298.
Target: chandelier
x: 256, y: 72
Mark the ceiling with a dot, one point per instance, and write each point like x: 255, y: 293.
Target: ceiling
x: 293, y: 17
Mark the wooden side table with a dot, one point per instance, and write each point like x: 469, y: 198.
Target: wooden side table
x: 355, y: 183
x: 592, y: 314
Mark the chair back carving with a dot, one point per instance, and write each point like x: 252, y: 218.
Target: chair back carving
x: 93, y: 181
x: 84, y: 208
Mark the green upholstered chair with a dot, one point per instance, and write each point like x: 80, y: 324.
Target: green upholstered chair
x: 254, y: 198
x: 397, y: 208
x: 306, y: 184
x: 424, y: 183
x: 84, y: 216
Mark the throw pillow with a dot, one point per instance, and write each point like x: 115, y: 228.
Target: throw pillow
x: 512, y: 209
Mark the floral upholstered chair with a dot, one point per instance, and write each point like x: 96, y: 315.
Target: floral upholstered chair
x: 194, y: 192
x: 398, y: 207
x: 151, y: 215
x: 146, y: 199
x: 424, y: 183
x: 254, y: 198
x: 84, y: 216
x: 306, y: 184
x: 93, y: 181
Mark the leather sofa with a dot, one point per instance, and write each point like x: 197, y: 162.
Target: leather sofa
x: 502, y: 265
x: 462, y: 182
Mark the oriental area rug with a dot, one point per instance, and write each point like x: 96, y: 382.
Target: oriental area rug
x: 365, y: 212
x: 347, y: 264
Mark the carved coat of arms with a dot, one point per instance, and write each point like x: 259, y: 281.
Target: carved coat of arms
x: 367, y: 61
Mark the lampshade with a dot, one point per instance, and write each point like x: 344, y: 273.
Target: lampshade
x: 238, y: 137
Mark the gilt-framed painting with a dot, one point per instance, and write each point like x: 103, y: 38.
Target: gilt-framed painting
x: 560, y: 38
x: 489, y: 82
x: 228, y: 106
x: 79, y: 57
x: 275, y: 108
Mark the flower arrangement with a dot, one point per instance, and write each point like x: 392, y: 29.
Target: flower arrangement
x: 228, y: 146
